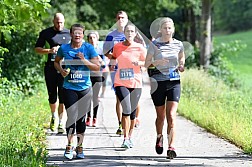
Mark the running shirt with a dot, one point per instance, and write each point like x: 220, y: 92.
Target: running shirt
x: 79, y: 77
x: 53, y: 38
x: 112, y: 38
x: 170, y: 51
x: 99, y: 50
x: 129, y: 75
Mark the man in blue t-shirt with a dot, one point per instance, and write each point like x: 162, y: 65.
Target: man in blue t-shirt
x: 111, y: 39
x: 79, y: 59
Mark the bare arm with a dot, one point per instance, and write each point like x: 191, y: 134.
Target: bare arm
x: 148, y: 61
x: 109, y: 55
x: 93, y: 64
x: 58, y: 67
x: 41, y: 50
x: 181, y: 60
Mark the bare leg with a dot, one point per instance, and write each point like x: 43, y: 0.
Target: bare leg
x: 132, y: 123
x: 118, y: 110
x: 126, y: 126
x: 171, y: 109
x: 61, y: 110
x: 53, y: 107
x: 160, y: 110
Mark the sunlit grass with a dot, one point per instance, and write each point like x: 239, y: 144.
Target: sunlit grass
x: 22, y: 134
x: 217, y: 108
x: 242, y: 61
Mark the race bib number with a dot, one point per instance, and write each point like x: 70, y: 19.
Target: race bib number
x: 126, y: 74
x: 53, y: 57
x: 76, y: 76
x: 174, y: 74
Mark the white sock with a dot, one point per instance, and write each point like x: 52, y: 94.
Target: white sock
x: 60, y: 121
x: 54, y: 114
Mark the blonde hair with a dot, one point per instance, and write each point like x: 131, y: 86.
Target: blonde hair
x: 165, y: 20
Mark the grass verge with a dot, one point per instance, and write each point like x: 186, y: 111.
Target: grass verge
x: 217, y: 108
x: 22, y: 134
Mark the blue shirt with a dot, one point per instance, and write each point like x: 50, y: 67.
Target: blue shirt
x: 112, y: 38
x: 79, y: 77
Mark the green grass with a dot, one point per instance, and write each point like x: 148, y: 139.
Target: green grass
x: 22, y: 134
x: 217, y: 108
x: 242, y: 61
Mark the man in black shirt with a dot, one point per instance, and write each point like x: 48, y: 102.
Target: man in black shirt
x: 54, y: 36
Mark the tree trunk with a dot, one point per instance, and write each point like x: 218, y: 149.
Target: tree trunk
x: 205, y: 47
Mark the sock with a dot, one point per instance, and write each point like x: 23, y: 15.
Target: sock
x: 60, y: 121
x: 80, y: 145
x: 70, y: 144
x: 54, y: 114
x: 159, y: 135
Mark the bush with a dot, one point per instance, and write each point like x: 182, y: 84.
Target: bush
x: 21, y: 65
x: 219, y: 66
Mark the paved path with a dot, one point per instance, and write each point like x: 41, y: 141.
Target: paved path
x: 194, y: 146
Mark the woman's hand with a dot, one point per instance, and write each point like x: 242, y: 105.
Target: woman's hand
x: 80, y: 55
x: 181, y: 68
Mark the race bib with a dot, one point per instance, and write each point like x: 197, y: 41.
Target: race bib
x: 174, y: 74
x: 53, y: 57
x: 126, y: 73
x: 76, y: 76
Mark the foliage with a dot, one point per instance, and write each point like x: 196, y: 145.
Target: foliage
x: 22, y: 135
x: 213, y: 105
x: 102, y: 15
x: 68, y: 8
x: 232, y: 16
x: 22, y: 65
x: 241, y: 62
x: 221, y: 67
x: 19, y: 20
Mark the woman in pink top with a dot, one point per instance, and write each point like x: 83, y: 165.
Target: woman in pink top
x: 130, y: 56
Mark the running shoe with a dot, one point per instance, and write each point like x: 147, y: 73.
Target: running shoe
x: 52, y: 124
x: 126, y: 144
x: 119, y: 130
x: 159, y: 145
x: 69, y: 152
x: 131, y: 143
x: 94, y: 122
x: 79, y: 152
x: 171, y: 153
x: 61, y: 129
x: 137, y: 124
x: 88, y: 121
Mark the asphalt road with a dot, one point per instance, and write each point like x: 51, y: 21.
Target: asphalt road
x: 194, y: 146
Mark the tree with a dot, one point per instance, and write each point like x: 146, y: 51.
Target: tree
x: 205, y: 45
x: 18, y: 22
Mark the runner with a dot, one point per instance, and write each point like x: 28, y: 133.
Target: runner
x: 54, y: 36
x: 165, y: 59
x: 111, y: 39
x: 130, y: 57
x: 79, y: 58
x: 96, y: 78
